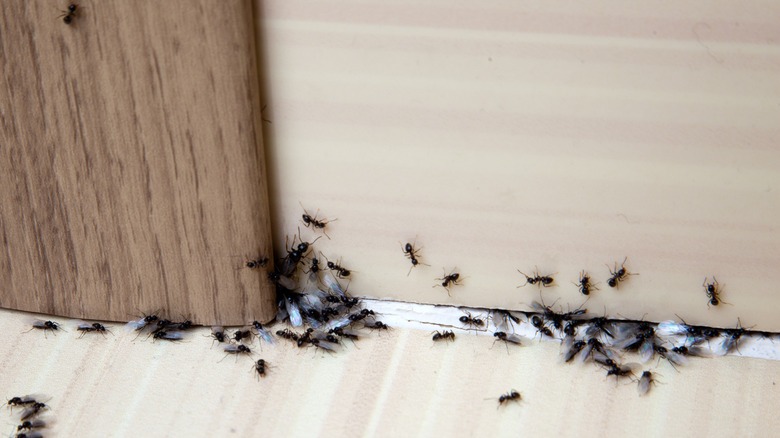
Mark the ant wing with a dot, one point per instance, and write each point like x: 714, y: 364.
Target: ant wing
x: 332, y: 284
x: 337, y: 323
x: 539, y: 307
x: 646, y: 350
x: 135, y: 325
x: 294, y: 312
x: 699, y: 351
x: 671, y: 328
x: 516, y: 339
x: 644, y: 385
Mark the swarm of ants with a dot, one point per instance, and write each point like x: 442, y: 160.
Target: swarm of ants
x: 324, y: 317
x: 32, y: 420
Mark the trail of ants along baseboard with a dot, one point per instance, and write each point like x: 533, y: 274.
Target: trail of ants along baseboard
x: 325, y: 318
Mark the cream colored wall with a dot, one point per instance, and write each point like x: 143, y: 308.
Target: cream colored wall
x: 561, y: 135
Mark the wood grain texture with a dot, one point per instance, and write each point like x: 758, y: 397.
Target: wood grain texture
x: 132, y: 173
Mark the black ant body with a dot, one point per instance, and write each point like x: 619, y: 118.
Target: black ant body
x: 260, y: 367
x: 242, y: 334
x: 339, y: 331
x: 449, y: 280
x: 618, y: 275
x: 713, y: 292
x: 413, y: 254
x: 21, y: 401
x: 168, y: 336
x: 585, y: 285
x: 256, y: 264
x: 319, y: 224
x: 575, y: 348
x: 69, y: 14
x: 378, y: 325
x: 237, y: 349
x: 619, y: 370
x: 30, y: 425
x: 32, y: 411
x: 94, y: 327
x: 287, y: 334
x: 45, y: 326
x: 447, y: 335
x: 341, y: 272
x: 540, y: 280
x: 510, y: 396
x: 218, y: 333
x: 508, y: 338
x: 468, y: 320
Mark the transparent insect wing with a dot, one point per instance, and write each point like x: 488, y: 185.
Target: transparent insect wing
x: 625, y: 331
x: 265, y: 335
x: 173, y: 336
x: 294, y: 312
x: 671, y: 328
x: 515, y: 339
x: 728, y: 345
x: 699, y: 351
x: 135, y: 325
x: 331, y: 283
x: 337, y: 323
x: 308, y: 301
x: 676, y: 358
x: 585, y: 353
x: 233, y: 348
x: 643, y: 386
x: 646, y: 350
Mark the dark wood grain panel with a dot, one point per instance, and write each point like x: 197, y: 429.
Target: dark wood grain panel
x: 132, y: 172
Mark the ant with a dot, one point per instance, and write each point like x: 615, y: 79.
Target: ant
x: 218, y: 333
x: 314, y: 222
x: 236, y: 349
x: 468, y: 320
x: 287, y: 334
x: 45, y: 326
x: 340, y: 271
x: 451, y: 279
x: 242, y: 334
x: 713, y: 292
x: 619, y: 370
x: 30, y: 425
x: 618, y: 275
x: 413, y: 254
x: 21, y: 401
x: 644, y: 382
x: 260, y: 367
x: 541, y: 280
x: 69, y: 14
x: 340, y: 332
x: 168, y: 336
x: 585, y: 285
x: 94, y: 327
x: 377, y: 325
x: 32, y: 411
x: 256, y: 264
x: 508, y: 339
x: 510, y: 396
x: 447, y: 335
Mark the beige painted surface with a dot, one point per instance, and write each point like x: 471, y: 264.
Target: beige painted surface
x: 561, y: 135
x: 394, y: 384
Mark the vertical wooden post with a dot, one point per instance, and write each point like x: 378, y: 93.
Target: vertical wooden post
x: 132, y: 175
